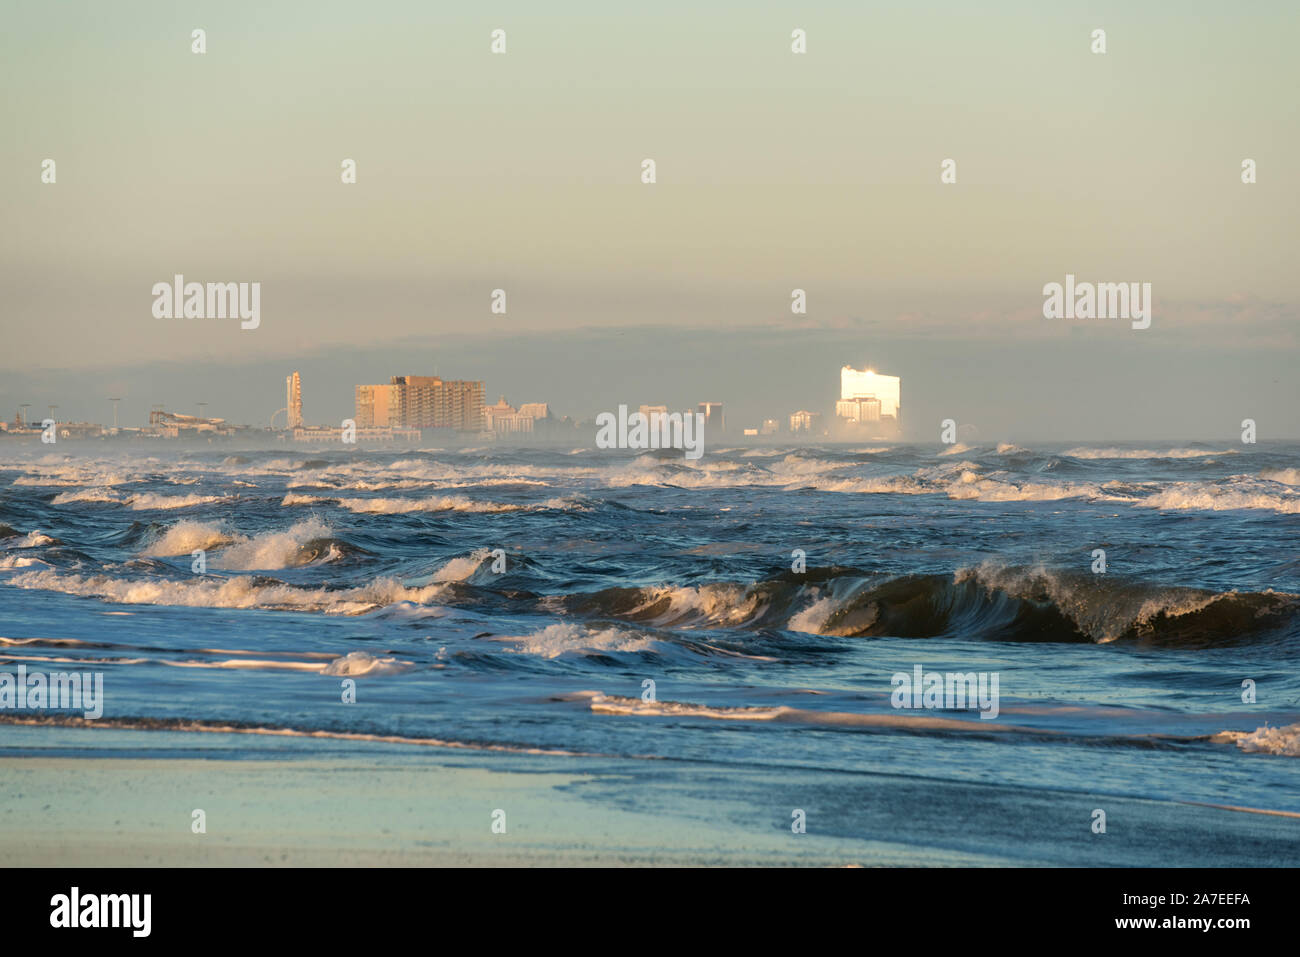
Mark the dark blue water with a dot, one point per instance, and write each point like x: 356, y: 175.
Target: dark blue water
x: 623, y: 569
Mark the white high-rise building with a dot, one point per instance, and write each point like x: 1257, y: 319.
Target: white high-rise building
x: 867, y: 384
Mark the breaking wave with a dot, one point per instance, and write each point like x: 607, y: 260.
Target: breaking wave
x: 1284, y: 476
x: 988, y: 602
x: 137, y: 501
x: 306, y: 543
x: 401, y: 506
x: 1241, y: 492
x: 1116, y: 453
x: 242, y: 592
x: 260, y: 591
x: 33, y: 539
x: 565, y: 638
x: 1265, y: 740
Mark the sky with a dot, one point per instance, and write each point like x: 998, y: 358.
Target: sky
x: 775, y: 172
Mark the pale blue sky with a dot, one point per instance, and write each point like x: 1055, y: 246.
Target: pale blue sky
x: 775, y: 172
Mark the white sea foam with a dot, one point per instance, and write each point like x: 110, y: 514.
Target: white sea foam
x: 137, y: 501
x: 403, y: 506
x: 387, y: 484
x: 883, y: 485
x: 269, y: 550
x: 1244, y: 493
x: 813, y: 618
x: 100, y: 493
x: 33, y: 539
x: 972, y: 486
x: 462, y: 568
x: 618, y: 704
x: 1266, y: 740
x: 1117, y: 453
x: 232, y: 664
x: 21, y: 561
x: 277, y: 549
x: 74, y: 476
x: 358, y: 663
x: 719, y: 603
x: 353, y: 664
x: 239, y: 592
x: 795, y: 467
x: 185, y: 537
x: 145, y: 501
x: 444, y: 503
x: 1285, y: 476
x: 565, y: 638
x: 297, y: 498
x: 968, y: 481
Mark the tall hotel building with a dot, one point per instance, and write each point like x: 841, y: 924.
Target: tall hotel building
x: 293, y: 400
x: 421, y: 402
x: 375, y: 407
x: 713, y: 420
x: 869, y: 400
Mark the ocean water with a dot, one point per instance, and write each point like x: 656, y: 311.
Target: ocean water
x: 583, y: 605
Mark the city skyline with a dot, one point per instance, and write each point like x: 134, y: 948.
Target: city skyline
x: 1021, y: 414
x: 409, y: 404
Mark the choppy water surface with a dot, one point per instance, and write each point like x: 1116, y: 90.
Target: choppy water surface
x: 379, y: 566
